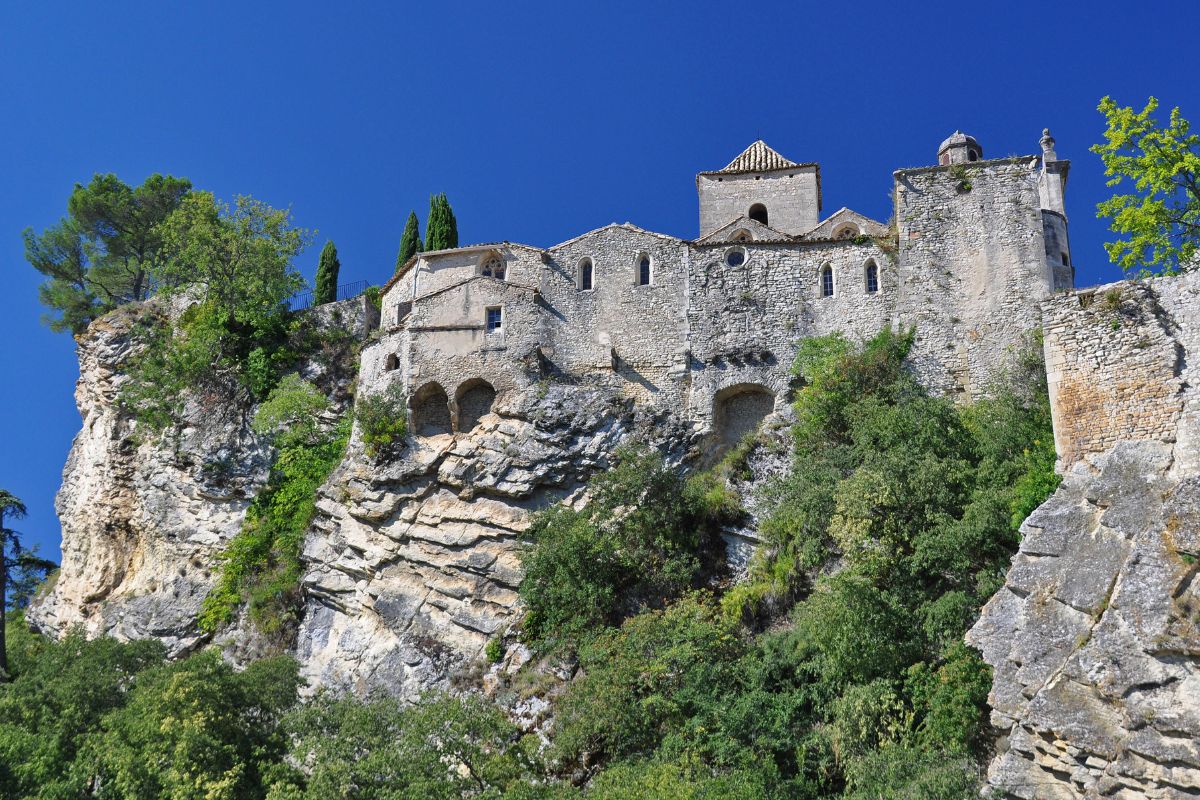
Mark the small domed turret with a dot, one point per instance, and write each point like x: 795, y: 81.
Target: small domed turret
x: 959, y: 148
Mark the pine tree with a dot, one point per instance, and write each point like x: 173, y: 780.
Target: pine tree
x: 327, y: 275
x: 441, y: 229
x: 410, y: 241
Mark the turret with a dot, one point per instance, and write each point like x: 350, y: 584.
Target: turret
x: 1052, y: 186
x: 959, y: 148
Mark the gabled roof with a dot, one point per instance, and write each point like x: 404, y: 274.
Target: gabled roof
x: 758, y: 231
x: 413, y: 259
x: 758, y: 157
x: 826, y: 228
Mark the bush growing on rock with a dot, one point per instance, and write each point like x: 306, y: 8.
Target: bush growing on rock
x: 382, y: 420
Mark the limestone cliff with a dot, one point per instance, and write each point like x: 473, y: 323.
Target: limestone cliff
x: 145, y: 516
x: 1094, y: 638
x: 413, y: 565
x: 144, y: 520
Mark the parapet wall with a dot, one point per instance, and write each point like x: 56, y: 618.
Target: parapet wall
x: 1117, y: 361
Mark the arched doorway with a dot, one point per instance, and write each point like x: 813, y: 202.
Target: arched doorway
x: 474, y: 399
x: 430, y: 410
x: 739, y: 410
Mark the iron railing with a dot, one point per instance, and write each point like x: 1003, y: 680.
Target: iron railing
x: 347, y: 291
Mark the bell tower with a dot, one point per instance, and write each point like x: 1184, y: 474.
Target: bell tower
x: 761, y: 185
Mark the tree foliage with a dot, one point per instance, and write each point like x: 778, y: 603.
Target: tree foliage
x: 1158, y: 216
x: 326, y: 283
x: 410, y: 241
x: 637, y: 542
x: 441, y: 228
x: 20, y: 568
x: 109, y: 249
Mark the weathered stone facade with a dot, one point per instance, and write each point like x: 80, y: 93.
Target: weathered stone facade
x: 684, y: 323
x: 1119, y: 360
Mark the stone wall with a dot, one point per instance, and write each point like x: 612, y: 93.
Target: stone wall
x: 1120, y: 367
x: 972, y: 268
x: 792, y: 198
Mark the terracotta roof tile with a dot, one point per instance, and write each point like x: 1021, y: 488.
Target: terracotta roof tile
x: 758, y: 157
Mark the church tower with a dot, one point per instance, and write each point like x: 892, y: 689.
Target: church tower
x: 763, y: 186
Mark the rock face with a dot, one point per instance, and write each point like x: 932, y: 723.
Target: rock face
x: 144, y: 522
x: 145, y: 517
x: 1094, y: 640
x: 413, y: 565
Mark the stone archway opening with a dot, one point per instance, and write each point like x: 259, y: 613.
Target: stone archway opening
x: 430, y: 410
x: 739, y: 410
x: 474, y: 399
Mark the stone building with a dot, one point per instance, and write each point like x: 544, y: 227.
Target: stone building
x: 710, y: 326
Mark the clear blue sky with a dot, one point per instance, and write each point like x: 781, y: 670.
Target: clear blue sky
x: 540, y: 121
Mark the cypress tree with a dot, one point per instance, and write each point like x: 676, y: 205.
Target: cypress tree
x: 451, y: 223
x: 327, y: 275
x: 410, y: 241
x: 441, y: 229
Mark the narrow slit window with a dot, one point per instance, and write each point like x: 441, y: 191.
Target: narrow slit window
x: 585, y: 274
x: 872, y: 278
x: 827, y: 282
x: 495, y: 319
x: 644, y: 272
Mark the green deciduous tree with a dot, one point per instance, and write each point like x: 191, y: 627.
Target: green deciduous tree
x: 410, y: 241
x: 325, y: 290
x: 238, y: 259
x: 107, y: 251
x: 196, y: 730
x: 441, y: 748
x: 1159, y: 220
x: 441, y: 228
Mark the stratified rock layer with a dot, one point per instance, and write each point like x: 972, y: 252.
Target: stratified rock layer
x: 1094, y: 639
x: 413, y: 565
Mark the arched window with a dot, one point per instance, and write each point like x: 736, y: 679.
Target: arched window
x: 826, y: 281
x: 492, y: 266
x: 645, y: 273
x: 758, y: 213
x: 584, y: 279
x: 846, y: 232
x: 742, y: 235
x: 872, y: 277
x: 393, y: 362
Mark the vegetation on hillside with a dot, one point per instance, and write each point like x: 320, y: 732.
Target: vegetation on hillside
x: 839, y: 671
x: 261, y: 566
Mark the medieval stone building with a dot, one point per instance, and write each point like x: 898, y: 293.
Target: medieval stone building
x: 710, y: 326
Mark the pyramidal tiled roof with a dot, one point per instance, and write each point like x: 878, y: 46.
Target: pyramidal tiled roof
x: 758, y: 157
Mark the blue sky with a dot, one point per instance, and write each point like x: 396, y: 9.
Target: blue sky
x: 540, y: 121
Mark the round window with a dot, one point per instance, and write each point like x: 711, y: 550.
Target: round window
x: 735, y: 257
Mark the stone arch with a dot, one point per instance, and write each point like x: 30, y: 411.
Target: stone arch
x: 758, y: 213
x: 472, y: 400
x: 430, y: 410
x: 739, y: 410
x: 846, y: 230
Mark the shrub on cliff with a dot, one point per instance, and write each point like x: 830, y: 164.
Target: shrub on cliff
x: 382, y: 419
x: 261, y: 565
x: 636, y: 542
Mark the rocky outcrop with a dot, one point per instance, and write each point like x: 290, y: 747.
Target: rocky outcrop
x: 413, y: 565
x: 1095, y: 637
x: 145, y: 516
